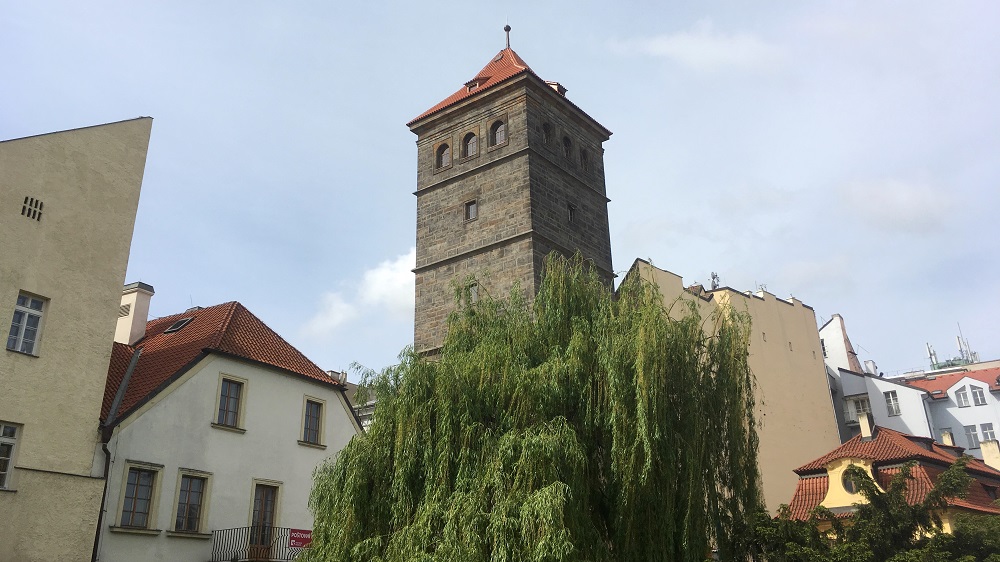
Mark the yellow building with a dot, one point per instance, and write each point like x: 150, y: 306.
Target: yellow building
x: 794, y: 408
x: 67, y: 208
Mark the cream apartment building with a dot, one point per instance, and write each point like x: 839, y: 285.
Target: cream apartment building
x: 794, y: 408
x: 67, y: 208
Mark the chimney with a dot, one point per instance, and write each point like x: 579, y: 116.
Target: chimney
x: 133, y: 313
x: 991, y: 453
x: 947, y: 438
x: 867, y: 427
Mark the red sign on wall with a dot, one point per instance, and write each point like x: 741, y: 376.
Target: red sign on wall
x: 300, y: 538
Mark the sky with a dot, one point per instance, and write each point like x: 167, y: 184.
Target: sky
x: 845, y: 153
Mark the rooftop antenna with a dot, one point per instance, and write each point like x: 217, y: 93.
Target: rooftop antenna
x: 715, y: 280
x: 506, y: 29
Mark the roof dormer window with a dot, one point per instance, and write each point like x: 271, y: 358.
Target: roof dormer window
x: 176, y: 326
x: 472, y: 84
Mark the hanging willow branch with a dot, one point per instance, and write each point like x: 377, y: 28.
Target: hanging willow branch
x: 586, y: 427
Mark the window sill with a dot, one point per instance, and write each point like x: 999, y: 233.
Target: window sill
x: 313, y: 445
x: 189, y: 535
x: 229, y: 428
x: 895, y: 415
x: 22, y: 353
x: 135, y: 531
x: 8, y: 490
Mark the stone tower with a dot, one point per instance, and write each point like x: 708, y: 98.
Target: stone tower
x: 508, y: 170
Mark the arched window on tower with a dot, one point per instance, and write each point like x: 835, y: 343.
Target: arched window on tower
x: 470, y: 145
x: 546, y: 133
x: 443, y: 158
x: 585, y: 160
x: 567, y: 147
x: 498, y: 133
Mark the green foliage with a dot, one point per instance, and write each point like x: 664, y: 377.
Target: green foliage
x: 885, y: 528
x: 582, y: 428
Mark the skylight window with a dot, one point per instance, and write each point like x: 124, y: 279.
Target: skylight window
x: 176, y: 326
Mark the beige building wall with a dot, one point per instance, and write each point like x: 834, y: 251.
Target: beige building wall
x: 794, y: 408
x: 73, y: 258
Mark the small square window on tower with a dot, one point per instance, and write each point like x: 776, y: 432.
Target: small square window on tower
x: 471, y: 210
x: 571, y: 212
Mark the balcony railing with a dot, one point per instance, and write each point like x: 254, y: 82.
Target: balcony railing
x: 253, y: 544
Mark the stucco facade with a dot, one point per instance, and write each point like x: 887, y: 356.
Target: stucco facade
x: 67, y: 208
x: 175, y: 434
x: 794, y: 408
x: 965, y: 404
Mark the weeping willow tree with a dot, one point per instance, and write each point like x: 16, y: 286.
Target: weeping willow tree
x: 584, y: 427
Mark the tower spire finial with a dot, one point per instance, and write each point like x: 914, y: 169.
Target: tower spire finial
x: 506, y: 29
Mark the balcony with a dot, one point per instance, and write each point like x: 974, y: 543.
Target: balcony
x: 254, y: 544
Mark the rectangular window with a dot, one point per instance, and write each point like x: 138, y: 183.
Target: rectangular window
x: 26, y: 324
x: 971, y: 437
x: 822, y: 345
x: 229, y: 403
x: 571, y: 213
x: 857, y: 407
x: 892, y: 403
x: 8, y: 443
x: 190, y: 498
x: 138, y: 500
x: 978, y: 396
x: 312, y: 424
x: 962, y: 397
x: 988, y: 434
x: 471, y: 210
x: 263, y: 515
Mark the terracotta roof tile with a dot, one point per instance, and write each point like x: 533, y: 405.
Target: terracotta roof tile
x: 504, y: 66
x: 226, y: 328
x: 890, y: 447
x: 943, y: 382
x: 809, y: 492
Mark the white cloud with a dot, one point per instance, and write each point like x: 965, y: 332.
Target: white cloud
x: 390, y: 284
x: 333, y: 312
x: 897, y: 205
x: 704, y: 49
x: 385, y: 288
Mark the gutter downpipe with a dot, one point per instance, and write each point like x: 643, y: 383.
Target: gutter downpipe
x: 106, y: 430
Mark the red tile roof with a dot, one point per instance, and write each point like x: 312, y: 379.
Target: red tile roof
x: 890, y: 447
x: 504, y: 66
x: 944, y: 382
x: 809, y: 492
x: 227, y: 328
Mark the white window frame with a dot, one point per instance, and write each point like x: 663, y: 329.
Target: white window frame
x: 24, y: 306
x: 978, y: 396
x: 892, y: 403
x: 857, y: 406
x: 988, y: 433
x: 962, y: 398
x: 7, y: 477
x: 154, y: 499
x: 206, y: 494
x: 321, y: 438
x: 972, y: 436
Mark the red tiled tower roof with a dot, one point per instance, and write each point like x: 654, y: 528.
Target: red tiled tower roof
x: 228, y: 329
x: 506, y: 65
x: 887, y: 451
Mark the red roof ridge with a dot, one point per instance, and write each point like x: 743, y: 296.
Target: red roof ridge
x: 228, y: 329
x: 505, y: 65
x: 233, y: 305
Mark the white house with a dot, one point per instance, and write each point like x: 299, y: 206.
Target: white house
x: 964, y: 404
x: 213, y: 426
x: 892, y: 403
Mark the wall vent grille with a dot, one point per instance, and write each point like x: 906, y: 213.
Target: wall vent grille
x: 32, y: 208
